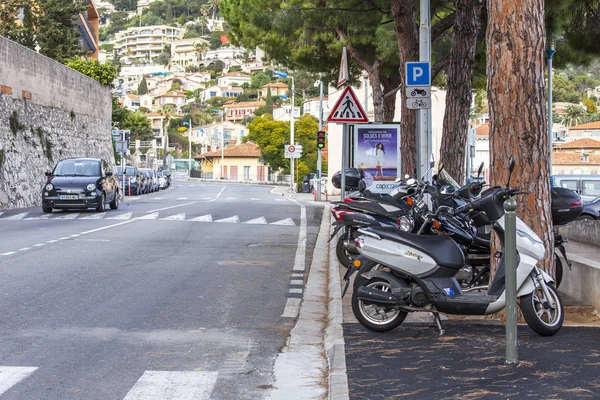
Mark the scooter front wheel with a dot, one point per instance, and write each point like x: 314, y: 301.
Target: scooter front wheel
x: 377, y: 318
x: 539, y: 314
x: 559, y: 271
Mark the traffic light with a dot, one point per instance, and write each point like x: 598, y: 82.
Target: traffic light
x: 127, y: 137
x: 321, y: 140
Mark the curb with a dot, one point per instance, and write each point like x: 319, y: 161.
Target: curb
x: 334, y: 333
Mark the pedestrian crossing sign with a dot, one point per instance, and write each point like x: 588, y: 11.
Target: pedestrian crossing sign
x: 348, y: 109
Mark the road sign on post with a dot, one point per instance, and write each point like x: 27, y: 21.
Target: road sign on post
x: 348, y: 108
x: 418, y: 85
x: 293, y: 151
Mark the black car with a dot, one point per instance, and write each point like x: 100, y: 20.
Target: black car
x: 80, y: 183
x: 591, y: 210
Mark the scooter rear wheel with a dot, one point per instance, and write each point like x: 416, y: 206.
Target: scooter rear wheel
x: 559, y: 271
x: 344, y: 256
x: 542, y: 319
x: 374, y: 317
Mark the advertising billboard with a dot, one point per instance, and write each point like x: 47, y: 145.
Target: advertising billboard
x: 377, y: 153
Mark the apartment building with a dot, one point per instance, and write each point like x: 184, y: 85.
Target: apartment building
x: 237, y: 111
x: 87, y: 22
x: 144, y: 43
x: 234, y: 79
x: 187, y: 51
x: 277, y: 89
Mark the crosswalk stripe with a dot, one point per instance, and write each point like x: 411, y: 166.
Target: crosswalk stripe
x: 176, y: 217
x: 95, y: 216
x: 287, y: 221
x: 204, y: 218
x: 149, y: 216
x: 45, y: 216
x: 258, y: 221
x: 121, y: 216
x: 292, y: 307
x: 171, y: 385
x: 157, y: 198
x: 10, y: 376
x: 16, y: 217
x: 206, y: 198
x: 254, y: 198
x: 182, y: 198
x: 67, y: 216
x: 232, y: 220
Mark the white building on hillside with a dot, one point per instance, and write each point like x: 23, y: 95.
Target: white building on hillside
x: 233, y: 79
x: 187, y: 51
x: 312, y: 106
x: 143, y: 44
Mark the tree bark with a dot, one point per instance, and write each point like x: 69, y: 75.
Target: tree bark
x: 404, y: 14
x: 391, y: 86
x: 458, y: 97
x: 517, y: 100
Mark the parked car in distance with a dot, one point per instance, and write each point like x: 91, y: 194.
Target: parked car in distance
x: 132, y: 184
x: 591, y: 210
x: 587, y: 186
x: 80, y: 183
x: 161, y: 180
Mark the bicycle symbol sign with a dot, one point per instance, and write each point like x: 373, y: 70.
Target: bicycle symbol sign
x: 413, y: 103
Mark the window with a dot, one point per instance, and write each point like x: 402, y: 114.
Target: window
x: 246, y: 173
x: 591, y: 188
x: 569, y: 185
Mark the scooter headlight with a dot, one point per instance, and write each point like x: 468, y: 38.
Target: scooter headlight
x: 405, y: 223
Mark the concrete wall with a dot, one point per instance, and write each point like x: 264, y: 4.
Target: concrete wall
x: 583, y: 282
x: 582, y: 231
x: 47, y: 112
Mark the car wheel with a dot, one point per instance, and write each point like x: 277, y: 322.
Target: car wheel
x: 585, y: 217
x: 101, y: 204
x: 46, y: 210
x: 115, y: 203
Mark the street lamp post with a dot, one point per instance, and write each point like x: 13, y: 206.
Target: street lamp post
x: 550, y: 52
x: 222, y: 154
x: 189, y: 124
x: 284, y: 75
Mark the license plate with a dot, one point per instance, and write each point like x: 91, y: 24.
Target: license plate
x: 68, y: 197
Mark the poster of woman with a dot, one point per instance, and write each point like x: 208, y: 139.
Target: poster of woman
x: 376, y: 151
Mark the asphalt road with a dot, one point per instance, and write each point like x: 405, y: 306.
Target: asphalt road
x: 186, y: 293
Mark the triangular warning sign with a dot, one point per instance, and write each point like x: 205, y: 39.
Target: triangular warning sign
x: 343, y: 76
x: 347, y: 108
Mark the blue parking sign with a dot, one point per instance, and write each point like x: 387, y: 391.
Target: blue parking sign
x: 418, y: 74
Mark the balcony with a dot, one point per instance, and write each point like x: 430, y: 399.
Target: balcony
x: 87, y: 32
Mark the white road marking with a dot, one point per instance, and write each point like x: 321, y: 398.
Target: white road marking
x: 231, y: 198
x: 176, y: 217
x: 232, y: 220
x: 297, y: 275
x: 292, y: 306
x: 168, y: 208
x: 1, y: 212
x: 121, y: 216
x: 157, y: 198
x: 8, y: 253
x: 95, y: 216
x: 103, y: 228
x: 149, y: 216
x: 254, y: 198
x: 296, y: 282
x: 287, y: 221
x: 24, y: 249
x: 222, y: 190
x: 258, y: 221
x: 132, y: 198
x: 39, y: 245
x: 204, y: 218
x: 299, y: 262
x: 15, y: 217
x: 295, y: 290
x: 10, y: 376
x: 52, y: 241
x: 172, y: 385
x: 92, y: 240
x: 74, y: 236
x: 280, y: 199
x: 67, y: 216
x: 206, y: 198
x: 182, y: 198
x: 63, y: 238
x: 45, y: 216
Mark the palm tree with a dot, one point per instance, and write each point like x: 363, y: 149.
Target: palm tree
x: 166, y: 112
x: 138, y: 124
x: 200, y: 48
x: 574, y: 115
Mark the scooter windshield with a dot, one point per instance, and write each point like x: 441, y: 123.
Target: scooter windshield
x: 444, y: 179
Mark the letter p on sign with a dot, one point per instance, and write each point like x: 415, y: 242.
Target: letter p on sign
x: 418, y: 74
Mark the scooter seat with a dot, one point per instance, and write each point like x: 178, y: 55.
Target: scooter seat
x: 442, y: 249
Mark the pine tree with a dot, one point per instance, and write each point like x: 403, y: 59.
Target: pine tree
x: 269, y: 102
x: 143, y: 87
x: 57, y: 35
x: 8, y: 21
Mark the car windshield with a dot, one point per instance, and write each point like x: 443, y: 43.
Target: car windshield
x: 77, y: 168
x: 130, y: 171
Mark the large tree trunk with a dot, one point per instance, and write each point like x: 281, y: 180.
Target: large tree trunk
x: 458, y: 98
x: 517, y: 100
x: 390, y: 88
x: 404, y: 14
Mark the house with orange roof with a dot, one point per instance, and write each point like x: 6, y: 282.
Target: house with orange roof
x: 176, y: 97
x: 238, y: 111
x: 233, y: 79
x: 277, y: 89
x: 234, y: 162
x: 580, y: 156
x: 591, y: 129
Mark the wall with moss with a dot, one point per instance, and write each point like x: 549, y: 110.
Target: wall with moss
x: 47, y: 112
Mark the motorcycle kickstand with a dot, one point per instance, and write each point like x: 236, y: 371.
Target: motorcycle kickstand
x: 438, y: 322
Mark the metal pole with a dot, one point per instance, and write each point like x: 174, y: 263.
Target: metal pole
x: 319, y: 151
x: 190, y: 150
x: 292, y: 187
x: 510, y: 252
x: 222, y: 155
x: 424, y: 130
x: 344, y: 160
x: 550, y: 52
x: 123, y: 153
x: 165, y: 137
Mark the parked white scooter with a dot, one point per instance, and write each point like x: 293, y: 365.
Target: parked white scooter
x: 421, y: 270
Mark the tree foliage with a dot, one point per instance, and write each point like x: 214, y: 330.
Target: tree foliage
x: 574, y: 115
x: 142, y: 87
x: 139, y: 125
x: 57, y: 36
x: 590, y: 106
x: 103, y: 73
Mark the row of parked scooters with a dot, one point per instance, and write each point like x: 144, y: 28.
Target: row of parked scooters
x: 411, y: 256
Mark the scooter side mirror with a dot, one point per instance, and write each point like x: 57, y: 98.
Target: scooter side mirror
x: 480, y: 170
x: 361, y: 186
x: 411, y: 181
